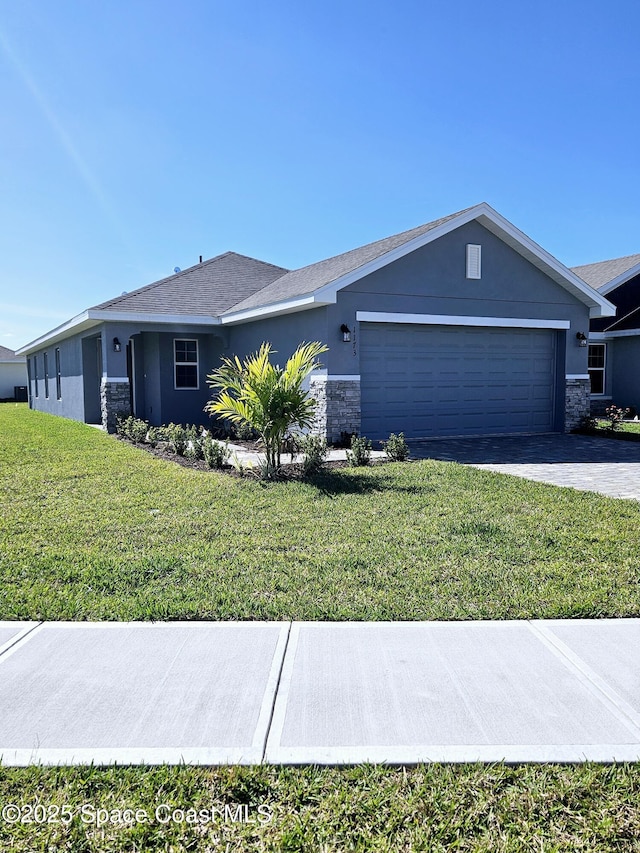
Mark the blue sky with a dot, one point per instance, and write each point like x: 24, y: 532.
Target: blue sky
x: 140, y: 134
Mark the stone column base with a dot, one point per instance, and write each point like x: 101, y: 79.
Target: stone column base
x: 337, y: 406
x: 115, y: 401
x: 576, y: 406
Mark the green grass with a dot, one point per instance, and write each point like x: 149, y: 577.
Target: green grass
x: 627, y: 426
x: 93, y: 528
x: 432, y: 808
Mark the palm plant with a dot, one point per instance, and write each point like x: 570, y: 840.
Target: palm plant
x: 268, y: 397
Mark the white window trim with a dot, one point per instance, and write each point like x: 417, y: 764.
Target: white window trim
x: 602, y: 369
x: 455, y: 320
x: 195, y: 387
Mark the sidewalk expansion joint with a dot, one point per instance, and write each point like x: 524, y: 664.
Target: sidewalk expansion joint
x: 596, y: 685
x: 276, y: 691
x: 19, y: 639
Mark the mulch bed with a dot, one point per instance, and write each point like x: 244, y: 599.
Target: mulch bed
x: 287, y: 472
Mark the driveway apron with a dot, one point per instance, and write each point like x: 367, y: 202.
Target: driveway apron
x: 607, y: 466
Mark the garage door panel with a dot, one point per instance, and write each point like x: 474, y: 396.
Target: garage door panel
x: 449, y: 380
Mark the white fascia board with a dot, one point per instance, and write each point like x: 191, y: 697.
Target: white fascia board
x: 274, y: 309
x: 110, y: 316
x: 457, y: 320
x: 529, y: 249
x: 329, y: 291
x: 576, y: 376
x: 606, y: 336
x: 79, y: 323
x: 93, y: 317
x: 620, y: 279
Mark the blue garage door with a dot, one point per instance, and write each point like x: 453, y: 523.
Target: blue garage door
x: 456, y: 380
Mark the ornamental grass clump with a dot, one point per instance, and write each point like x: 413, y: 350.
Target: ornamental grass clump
x: 267, y: 397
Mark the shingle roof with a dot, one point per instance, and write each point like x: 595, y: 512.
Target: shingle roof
x: 597, y: 275
x: 307, y: 279
x: 7, y: 354
x: 209, y: 288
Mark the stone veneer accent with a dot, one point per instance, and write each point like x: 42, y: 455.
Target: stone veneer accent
x: 337, y: 406
x: 598, y: 406
x: 115, y: 400
x: 576, y: 404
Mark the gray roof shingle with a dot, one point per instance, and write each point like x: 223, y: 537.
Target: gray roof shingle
x: 601, y: 273
x: 308, y: 279
x: 209, y: 288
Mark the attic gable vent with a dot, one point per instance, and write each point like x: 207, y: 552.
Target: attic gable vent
x: 474, y: 258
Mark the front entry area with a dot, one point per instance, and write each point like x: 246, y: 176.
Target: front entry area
x: 430, y: 380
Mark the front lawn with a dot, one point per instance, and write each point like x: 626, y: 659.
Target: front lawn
x: 93, y: 528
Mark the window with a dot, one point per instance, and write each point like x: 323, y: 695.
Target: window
x: 185, y: 363
x: 474, y: 261
x: 58, y: 377
x: 35, y: 372
x: 597, y: 360
x: 46, y: 375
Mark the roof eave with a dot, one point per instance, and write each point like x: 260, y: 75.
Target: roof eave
x: 488, y: 218
x: 94, y: 316
x: 623, y: 278
x: 275, y: 309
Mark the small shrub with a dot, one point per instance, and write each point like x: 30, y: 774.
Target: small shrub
x: 177, y: 438
x: 396, y: 447
x: 132, y: 428
x: 152, y: 436
x: 138, y: 430
x: 193, y: 450
x: 121, y: 426
x: 615, y: 415
x: 314, y: 449
x: 360, y: 453
x: 216, y: 453
x: 244, y: 431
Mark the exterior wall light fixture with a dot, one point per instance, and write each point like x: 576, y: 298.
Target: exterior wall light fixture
x: 117, y: 346
x: 346, y: 333
x: 581, y: 338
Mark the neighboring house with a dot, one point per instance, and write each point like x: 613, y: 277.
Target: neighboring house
x: 13, y: 375
x: 614, y: 343
x: 462, y: 326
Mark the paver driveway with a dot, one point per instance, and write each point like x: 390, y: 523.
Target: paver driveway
x: 607, y: 466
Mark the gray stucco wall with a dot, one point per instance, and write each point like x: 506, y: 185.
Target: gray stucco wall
x: 285, y: 333
x: 432, y: 280
x: 155, y: 397
x: 624, y: 370
x: 71, y: 404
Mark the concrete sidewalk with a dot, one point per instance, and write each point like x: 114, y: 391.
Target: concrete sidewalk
x: 319, y: 692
